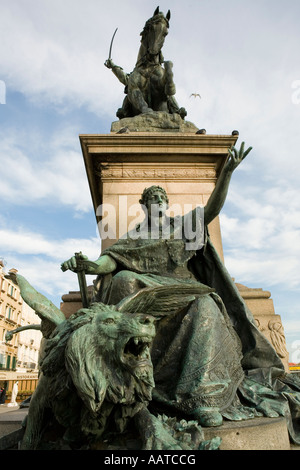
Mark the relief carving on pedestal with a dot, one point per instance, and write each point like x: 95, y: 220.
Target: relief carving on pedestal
x: 278, y: 338
x: 111, y: 172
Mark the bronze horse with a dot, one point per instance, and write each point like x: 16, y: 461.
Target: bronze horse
x: 150, y: 87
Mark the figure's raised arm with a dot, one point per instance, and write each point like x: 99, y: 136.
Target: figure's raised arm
x: 117, y: 71
x: 218, y: 196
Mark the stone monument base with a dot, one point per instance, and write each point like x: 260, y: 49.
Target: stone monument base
x: 157, y: 121
x: 252, y: 434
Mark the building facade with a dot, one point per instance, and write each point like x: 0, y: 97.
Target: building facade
x: 18, y: 352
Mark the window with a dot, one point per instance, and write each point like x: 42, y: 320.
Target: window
x: 2, y: 361
x: 8, y: 312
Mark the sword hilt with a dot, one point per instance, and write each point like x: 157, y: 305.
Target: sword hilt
x: 80, y: 266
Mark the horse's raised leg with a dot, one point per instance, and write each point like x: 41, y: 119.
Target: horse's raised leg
x: 170, y: 88
x: 137, y: 86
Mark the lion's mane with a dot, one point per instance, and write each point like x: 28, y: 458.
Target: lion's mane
x: 86, y: 355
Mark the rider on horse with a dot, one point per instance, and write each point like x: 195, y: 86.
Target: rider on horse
x: 150, y: 87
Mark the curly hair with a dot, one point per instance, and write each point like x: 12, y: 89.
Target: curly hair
x: 148, y: 192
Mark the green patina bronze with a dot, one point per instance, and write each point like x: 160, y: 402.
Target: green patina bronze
x: 150, y: 86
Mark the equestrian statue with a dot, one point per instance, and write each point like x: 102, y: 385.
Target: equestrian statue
x: 150, y: 87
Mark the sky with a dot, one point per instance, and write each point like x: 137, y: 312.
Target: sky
x: 242, y: 58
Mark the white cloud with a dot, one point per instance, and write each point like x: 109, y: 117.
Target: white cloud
x: 45, y: 276
x: 61, y: 62
x: 262, y: 240
x: 39, y: 258
x: 25, y: 242
x: 57, y: 177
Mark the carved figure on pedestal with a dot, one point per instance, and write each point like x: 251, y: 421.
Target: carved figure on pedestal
x: 150, y: 86
x: 14, y: 394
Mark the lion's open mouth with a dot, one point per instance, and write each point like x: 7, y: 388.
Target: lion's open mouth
x: 137, y: 348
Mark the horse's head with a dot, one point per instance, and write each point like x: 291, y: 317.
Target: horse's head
x: 155, y: 31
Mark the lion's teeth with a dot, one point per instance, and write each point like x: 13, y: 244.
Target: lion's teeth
x: 136, y: 341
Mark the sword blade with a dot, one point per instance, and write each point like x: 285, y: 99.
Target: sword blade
x: 83, y: 289
x: 111, y: 43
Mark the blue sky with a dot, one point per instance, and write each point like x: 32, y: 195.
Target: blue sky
x: 240, y: 56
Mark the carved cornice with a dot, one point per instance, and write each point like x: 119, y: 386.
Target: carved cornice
x: 149, y: 143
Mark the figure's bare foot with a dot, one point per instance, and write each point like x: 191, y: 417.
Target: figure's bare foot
x: 208, y: 417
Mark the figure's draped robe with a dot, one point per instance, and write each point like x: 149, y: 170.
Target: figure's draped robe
x: 209, y: 354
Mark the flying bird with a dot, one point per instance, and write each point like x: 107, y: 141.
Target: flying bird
x: 195, y: 95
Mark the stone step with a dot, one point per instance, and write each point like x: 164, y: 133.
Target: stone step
x: 252, y: 434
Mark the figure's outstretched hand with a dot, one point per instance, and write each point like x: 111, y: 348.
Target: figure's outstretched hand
x: 109, y: 64
x: 103, y: 265
x: 237, y: 156
x: 75, y: 263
